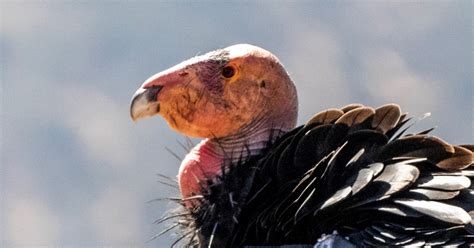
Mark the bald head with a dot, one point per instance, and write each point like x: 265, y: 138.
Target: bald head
x: 238, y: 98
x: 220, y: 93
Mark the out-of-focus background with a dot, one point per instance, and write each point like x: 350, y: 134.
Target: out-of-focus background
x: 75, y: 171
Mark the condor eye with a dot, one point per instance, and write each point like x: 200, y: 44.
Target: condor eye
x: 228, y: 71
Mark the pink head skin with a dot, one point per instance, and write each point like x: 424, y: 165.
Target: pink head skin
x: 236, y: 98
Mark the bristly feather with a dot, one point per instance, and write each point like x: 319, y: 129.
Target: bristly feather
x: 350, y: 170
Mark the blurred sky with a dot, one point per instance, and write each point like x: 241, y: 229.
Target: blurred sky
x: 75, y: 171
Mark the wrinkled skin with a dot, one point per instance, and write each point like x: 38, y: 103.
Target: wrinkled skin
x: 198, y: 101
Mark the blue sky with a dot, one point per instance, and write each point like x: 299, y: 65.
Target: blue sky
x: 75, y: 171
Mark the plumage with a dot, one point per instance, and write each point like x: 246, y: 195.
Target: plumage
x: 350, y: 176
x: 444, y: 182
x: 386, y: 117
x: 438, y: 210
x: 326, y: 116
x: 370, y: 189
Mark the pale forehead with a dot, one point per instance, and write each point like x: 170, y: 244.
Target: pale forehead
x: 220, y: 56
x: 241, y: 50
x: 231, y: 52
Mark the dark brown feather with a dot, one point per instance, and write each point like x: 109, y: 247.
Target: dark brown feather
x: 460, y: 159
x: 386, y: 117
x: 324, y: 117
x: 355, y: 116
x: 350, y: 107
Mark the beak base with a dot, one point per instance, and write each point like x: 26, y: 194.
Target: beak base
x: 145, y: 103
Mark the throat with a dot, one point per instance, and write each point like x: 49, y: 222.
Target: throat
x: 211, y: 157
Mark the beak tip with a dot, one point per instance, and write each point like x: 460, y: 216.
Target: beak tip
x: 144, y: 103
x: 135, y: 118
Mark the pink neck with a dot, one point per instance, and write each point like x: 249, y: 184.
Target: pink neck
x: 210, y: 157
x: 207, y: 160
x: 201, y: 163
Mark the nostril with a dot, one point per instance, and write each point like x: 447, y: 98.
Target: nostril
x: 152, y: 92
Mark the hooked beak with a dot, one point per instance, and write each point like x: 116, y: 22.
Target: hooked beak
x: 145, y: 102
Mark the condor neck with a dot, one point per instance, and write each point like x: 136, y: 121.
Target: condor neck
x: 241, y: 146
x: 208, y: 159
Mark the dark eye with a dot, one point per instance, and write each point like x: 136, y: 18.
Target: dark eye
x: 228, y: 71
